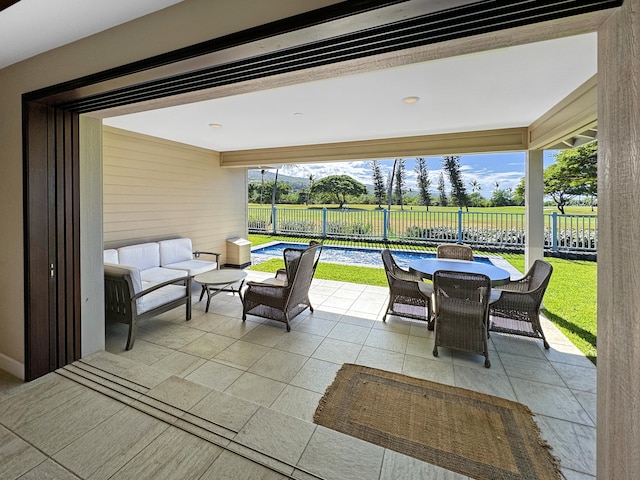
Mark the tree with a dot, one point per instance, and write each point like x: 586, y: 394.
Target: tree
x: 442, y: 191
x: 424, y: 182
x: 518, y: 193
x: 311, y: 179
x: 281, y: 189
x: 262, y: 186
x: 378, y: 183
x: 338, y: 187
x: 581, y: 169
x: 476, y: 199
x: 501, y: 197
x: 400, y: 181
x: 451, y: 165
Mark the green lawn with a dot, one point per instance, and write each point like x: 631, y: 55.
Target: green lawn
x: 570, y: 300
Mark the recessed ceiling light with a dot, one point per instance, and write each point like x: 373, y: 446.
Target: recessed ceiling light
x: 215, y: 125
x: 410, y: 99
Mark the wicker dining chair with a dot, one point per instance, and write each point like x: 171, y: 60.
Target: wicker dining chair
x: 518, y: 309
x: 461, y: 316
x: 455, y: 251
x: 409, y: 296
x: 281, y: 273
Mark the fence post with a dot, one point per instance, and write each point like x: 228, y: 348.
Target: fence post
x: 273, y: 218
x: 385, y: 220
x: 460, y: 225
x: 324, y: 222
x: 554, y: 232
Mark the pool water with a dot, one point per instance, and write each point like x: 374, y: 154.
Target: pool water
x: 366, y: 257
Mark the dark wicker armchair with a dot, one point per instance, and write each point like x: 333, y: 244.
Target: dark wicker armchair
x: 518, y: 309
x: 283, y: 300
x: 462, y: 303
x: 409, y: 296
x: 281, y: 274
x: 455, y: 251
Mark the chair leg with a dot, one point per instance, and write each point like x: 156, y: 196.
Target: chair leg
x: 435, y: 351
x: 133, y: 328
x: 487, y: 363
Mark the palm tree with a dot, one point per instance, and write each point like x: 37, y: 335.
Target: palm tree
x: 311, y: 179
x: 262, y: 186
x: 475, y: 186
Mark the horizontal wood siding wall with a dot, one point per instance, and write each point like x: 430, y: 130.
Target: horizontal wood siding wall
x: 156, y: 189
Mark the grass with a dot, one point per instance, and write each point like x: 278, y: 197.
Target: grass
x: 570, y: 300
x: 570, y: 210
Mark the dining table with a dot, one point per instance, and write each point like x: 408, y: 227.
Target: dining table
x: 428, y: 266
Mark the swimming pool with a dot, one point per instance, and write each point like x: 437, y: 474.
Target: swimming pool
x: 362, y: 256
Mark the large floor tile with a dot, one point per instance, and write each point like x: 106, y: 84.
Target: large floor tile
x: 173, y: 454
x: 300, y: 342
x: 223, y: 409
x: 349, y: 333
x: 229, y: 466
x: 297, y: 402
x: 316, y: 375
x: 104, y: 450
x: 395, y: 342
x: 279, y: 365
x: 337, y: 351
x: 550, y: 400
x: 256, y: 388
x: 382, y: 359
x: 428, y: 369
x: 69, y: 421
x: 530, y: 368
x: 574, y: 445
x: 208, y: 345
x: 241, y: 354
x: 215, y: 375
x: 49, y: 470
x: 489, y: 382
x: 276, y: 434
x: 335, y: 456
x: 17, y: 456
x: 398, y: 466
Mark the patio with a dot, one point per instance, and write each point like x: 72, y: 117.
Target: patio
x: 251, y: 389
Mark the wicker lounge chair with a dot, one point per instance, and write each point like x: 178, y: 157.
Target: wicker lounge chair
x: 455, y: 251
x: 462, y: 302
x: 518, y: 309
x: 283, y: 300
x: 409, y: 296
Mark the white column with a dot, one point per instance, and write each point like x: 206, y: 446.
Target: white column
x: 534, y: 208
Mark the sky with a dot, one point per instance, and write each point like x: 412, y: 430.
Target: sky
x: 505, y: 168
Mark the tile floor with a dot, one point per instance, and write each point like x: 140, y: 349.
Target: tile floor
x: 216, y: 398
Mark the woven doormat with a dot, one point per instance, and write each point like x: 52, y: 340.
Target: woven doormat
x: 478, y: 435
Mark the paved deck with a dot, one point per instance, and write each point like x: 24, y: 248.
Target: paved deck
x: 218, y: 398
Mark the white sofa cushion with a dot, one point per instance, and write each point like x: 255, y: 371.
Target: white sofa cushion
x: 111, y: 256
x: 160, y: 274
x: 142, y: 255
x: 159, y: 297
x: 193, y: 267
x: 174, y: 251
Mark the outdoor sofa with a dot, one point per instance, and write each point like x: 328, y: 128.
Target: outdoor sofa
x: 147, y: 279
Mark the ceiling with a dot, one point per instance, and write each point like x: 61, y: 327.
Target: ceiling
x: 30, y: 27
x: 505, y: 88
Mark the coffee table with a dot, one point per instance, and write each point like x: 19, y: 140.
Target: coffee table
x: 217, y: 281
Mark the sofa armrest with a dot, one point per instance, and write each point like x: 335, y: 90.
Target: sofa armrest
x: 197, y: 254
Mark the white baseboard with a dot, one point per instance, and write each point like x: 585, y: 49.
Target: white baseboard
x: 12, y: 366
